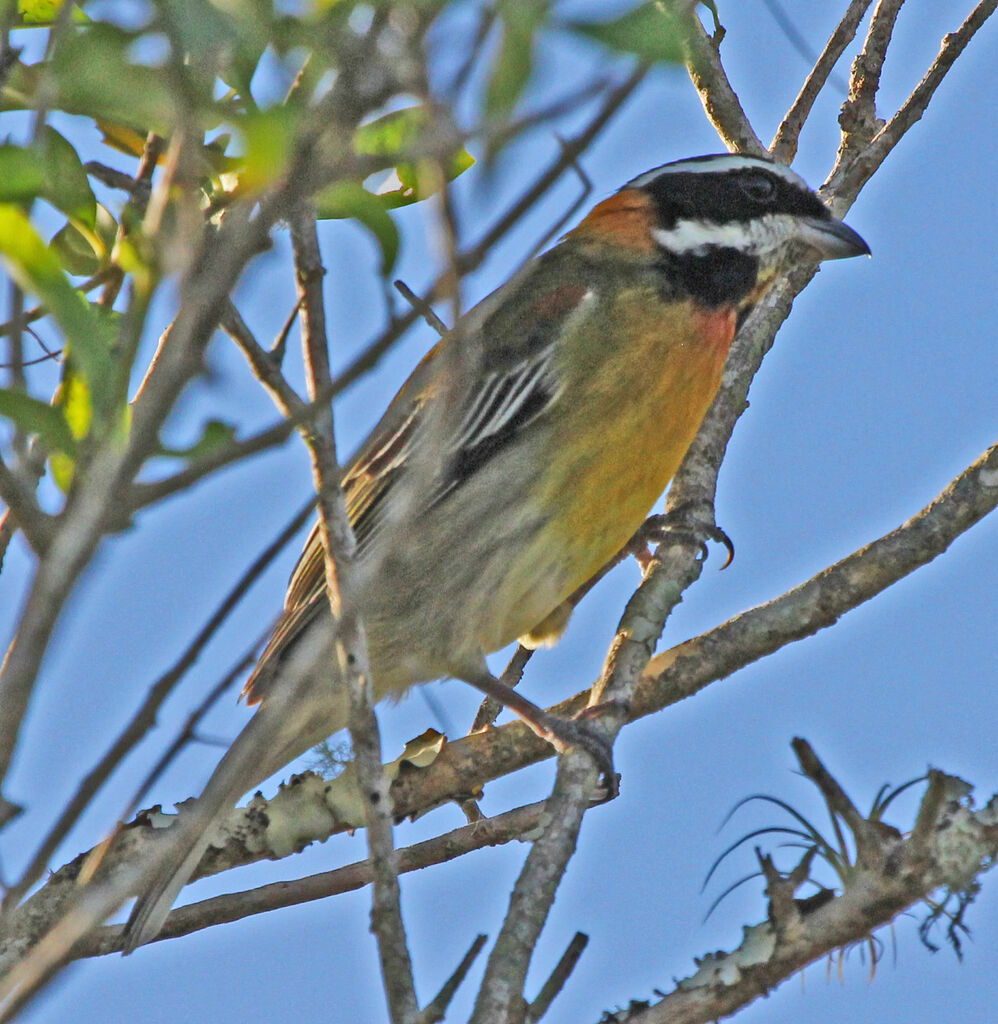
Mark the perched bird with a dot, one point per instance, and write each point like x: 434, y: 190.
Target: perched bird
x: 521, y: 455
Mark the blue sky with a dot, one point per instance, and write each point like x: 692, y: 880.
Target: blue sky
x: 881, y: 388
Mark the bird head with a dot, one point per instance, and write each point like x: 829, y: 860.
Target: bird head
x: 723, y: 226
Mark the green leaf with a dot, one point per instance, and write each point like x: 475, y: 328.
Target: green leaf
x: 22, y: 174
x: 36, y: 417
x: 81, y: 251
x: 63, y: 469
x: 420, y: 181
x: 521, y: 21
x: 67, y: 186
x: 348, y: 199
x: 75, y: 400
x: 391, y: 136
x: 391, y: 133
x: 20, y: 87
x: 36, y: 268
x: 653, y: 31
x: 43, y: 13
x: 268, y: 138
x: 214, y: 435
x: 228, y: 39
x: 96, y: 75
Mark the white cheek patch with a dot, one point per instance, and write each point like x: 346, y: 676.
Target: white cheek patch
x: 757, y: 236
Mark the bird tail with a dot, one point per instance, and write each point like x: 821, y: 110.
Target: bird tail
x: 304, y: 710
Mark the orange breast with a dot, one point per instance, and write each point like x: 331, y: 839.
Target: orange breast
x: 641, y: 381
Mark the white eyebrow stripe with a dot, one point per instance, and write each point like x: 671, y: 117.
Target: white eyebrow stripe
x: 720, y: 164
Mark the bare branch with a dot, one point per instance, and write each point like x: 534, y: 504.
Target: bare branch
x: 436, y: 1010
x: 720, y: 102
x: 864, y: 833
x: 496, y: 831
x: 955, y: 845
x: 858, y: 119
x: 852, y: 174
x: 463, y: 766
x: 637, y: 634
x: 501, y: 994
x: 36, y: 524
x: 784, y: 144
x: 819, y: 602
x: 557, y: 979
x: 86, y: 515
x: 351, y: 646
x: 29, y: 316
x: 264, y: 366
x: 145, y: 717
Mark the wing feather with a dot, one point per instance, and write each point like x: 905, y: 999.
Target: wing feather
x: 505, y: 403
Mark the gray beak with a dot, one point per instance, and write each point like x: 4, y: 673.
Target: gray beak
x: 832, y: 238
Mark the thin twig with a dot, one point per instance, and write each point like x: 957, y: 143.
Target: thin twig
x: 15, y: 364
x: 145, y: 717
x: 425, y: 310
x: 29, y: 316
x: 500, y: 133
x: 37, y: 525
x: 720, y: 102
x: 436, y: 1009
x: 138, y: 199
x: 338, y: 546
x: 784, y: 144
x: 838, y: 801
x: 858, y: 119
x: 265, y: 367
x: 569, y: 153
x: 799, y: 42
x: 495, y: 831
x: 486, y: 19
x: 637, y: 634
x: 556, y: 980
x: 851, y: 174
x: 822, y: 600
x: 188, y: 730
x: 490, y: 709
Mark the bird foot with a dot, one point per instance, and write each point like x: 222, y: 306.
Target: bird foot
x: 582, y: 733
x: 685, y: 522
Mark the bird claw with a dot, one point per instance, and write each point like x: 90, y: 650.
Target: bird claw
x: 579, y: 733
x: 681, y: 522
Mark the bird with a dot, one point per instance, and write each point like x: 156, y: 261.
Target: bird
x: 521, y: 455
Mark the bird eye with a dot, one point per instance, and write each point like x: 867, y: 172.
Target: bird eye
x: 758, y: 187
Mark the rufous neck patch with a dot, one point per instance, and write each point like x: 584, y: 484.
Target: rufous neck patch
x: 625, y: 220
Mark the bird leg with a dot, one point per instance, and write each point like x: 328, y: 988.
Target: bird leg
x: 561, y: 733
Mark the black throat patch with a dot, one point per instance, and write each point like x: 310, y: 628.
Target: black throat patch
x: 714, y: 276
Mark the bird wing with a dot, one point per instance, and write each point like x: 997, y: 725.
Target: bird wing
x: 514, y: 388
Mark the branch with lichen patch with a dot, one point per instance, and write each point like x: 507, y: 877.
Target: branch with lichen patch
x: 949, y: 847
